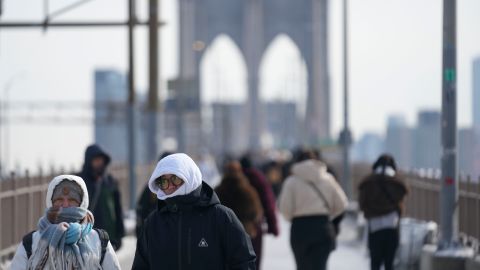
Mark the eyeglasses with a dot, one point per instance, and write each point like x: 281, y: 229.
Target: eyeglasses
x: 163, y: 182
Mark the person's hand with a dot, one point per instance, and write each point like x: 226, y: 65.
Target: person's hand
x: 74, y: 233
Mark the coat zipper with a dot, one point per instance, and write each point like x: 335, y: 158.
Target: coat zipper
x: 180, y: 241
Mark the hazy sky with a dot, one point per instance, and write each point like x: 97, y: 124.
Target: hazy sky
x: 395, y: 57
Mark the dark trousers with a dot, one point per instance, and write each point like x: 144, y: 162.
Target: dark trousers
x: 383, y: 244
x: 257, y: 246
x: 312, y: 239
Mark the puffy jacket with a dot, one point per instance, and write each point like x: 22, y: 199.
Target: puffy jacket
x: 265, y: 192
x: 194, y: 231
x: 298, y: 198
x: 381, y: 194
x: 236, y: 193
x: 110, y: 261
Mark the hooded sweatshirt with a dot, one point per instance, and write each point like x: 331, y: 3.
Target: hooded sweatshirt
x: 105, y: 198
x: 20, y: 260
x: 191, y: 229
x: 298, y: 198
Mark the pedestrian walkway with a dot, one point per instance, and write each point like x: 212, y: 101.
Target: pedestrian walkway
x: 350, y: 253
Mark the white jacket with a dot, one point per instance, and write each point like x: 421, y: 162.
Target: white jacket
x: 20, y: 260
x: 298, y: 198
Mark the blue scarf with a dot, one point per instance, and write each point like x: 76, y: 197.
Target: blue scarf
x: 62, y: 250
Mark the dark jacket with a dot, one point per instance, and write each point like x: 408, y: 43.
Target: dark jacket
x: 236, y: 193
x: 194, y: 231
x: 381, y: 194
x: 105, y: 201
x: 264, y: 190
x: 147, y: 203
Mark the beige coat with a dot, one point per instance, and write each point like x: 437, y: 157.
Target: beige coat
x: 298, y: 198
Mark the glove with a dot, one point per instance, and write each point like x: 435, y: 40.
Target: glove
x: 74, y: 232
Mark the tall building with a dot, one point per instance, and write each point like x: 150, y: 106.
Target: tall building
x: 398, y: 141
x: 110, y: 132
x: 476, y: 115
x: 368, y: 148
x: 466, y: 153
x: 476, y: 94
x: 427, y: 140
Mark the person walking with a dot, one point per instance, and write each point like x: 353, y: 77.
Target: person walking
x: 146, y: 204
x: 264, y: 190
x: 64, y: 238
x: 381, y: 197
x: 236, y: 193
x: 104, y: 193
x: 311, y: 198
x: 190, y: 228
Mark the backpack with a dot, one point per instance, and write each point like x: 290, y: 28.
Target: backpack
x: 104, y: 239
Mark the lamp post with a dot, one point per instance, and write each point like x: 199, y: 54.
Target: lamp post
x: 345, y: 137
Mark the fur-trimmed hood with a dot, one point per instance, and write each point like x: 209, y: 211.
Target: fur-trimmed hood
x: 55, y: 181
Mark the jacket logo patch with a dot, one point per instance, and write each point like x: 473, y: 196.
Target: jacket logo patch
x: 203, y: 243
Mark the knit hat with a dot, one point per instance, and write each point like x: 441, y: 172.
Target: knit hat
x: 70, y: 188
x: 385, y: 165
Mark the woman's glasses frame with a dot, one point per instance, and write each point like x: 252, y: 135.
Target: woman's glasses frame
x: 164, y: 182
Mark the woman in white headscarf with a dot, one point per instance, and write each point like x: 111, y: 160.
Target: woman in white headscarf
x: 190, y: 229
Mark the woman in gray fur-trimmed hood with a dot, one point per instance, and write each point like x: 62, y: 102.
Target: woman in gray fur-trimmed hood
x: 64, y: 239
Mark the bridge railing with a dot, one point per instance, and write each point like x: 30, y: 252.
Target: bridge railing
x: 423, y: 202
x: 22, y: 202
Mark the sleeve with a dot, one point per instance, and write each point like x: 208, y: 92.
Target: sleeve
x: 339, y: 199
x: 20, y: 260
x: 119, y: 214
x: 110, y: 261
x: 239, y: 254
x: 268, y: 202
x: 140, y: 261
x: 285, y: 201
x: 361, y: 198
x: 141, y: 211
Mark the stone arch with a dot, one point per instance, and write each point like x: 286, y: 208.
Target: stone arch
x: 224, y: 60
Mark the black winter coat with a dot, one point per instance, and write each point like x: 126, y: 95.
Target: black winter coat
x: 195, y: 232
x: 105, y: 198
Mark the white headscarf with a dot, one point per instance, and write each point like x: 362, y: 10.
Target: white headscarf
x: 180, y: 165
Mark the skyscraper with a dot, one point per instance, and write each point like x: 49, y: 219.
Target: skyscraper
x: 368, y: 148
x: 476, y: 115
x: 110, y: 95
x: 476, y: 94
x: 466, y: 153
x: 398, y: 141
x: 427, y: 144
x: 110, y: 132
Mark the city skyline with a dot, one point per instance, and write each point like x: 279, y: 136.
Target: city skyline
x: 395, y: 65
